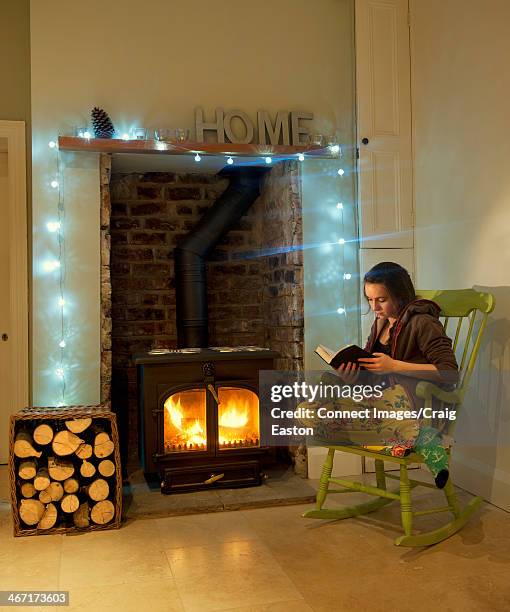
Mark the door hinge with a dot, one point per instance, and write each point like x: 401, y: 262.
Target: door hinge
x: 408, y: 19
x: 357, y: 152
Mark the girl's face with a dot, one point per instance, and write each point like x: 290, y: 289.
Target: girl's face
x: 380, y: 301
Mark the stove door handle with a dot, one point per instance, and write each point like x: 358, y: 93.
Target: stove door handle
x: 213, y: 393
x: 213, y: 478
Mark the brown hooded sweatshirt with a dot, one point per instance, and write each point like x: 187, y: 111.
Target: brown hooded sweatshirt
x: 419, y: 337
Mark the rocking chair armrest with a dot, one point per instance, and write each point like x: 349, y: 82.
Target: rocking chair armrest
x: 427, y: 390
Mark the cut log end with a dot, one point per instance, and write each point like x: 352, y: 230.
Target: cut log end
x: 28, y: 490
x: 71, y: 485
x: 60, y: 469
x: 103, y: 445
x: 87, y: 469
x: 27, y: 469
x: 70, y: 503
x: 65, y: 443
x: 102, y: 512
x: 56, y: 491
x: 84, y: 451
x: 49, y: 518
x: 98, y: 490
x: 106, y: 468
x: 45, y: 496
x: 43, y: 434
x: 78, y: 425
x: 42, y: 479
x: 24, y: 446
x: 31, y: 511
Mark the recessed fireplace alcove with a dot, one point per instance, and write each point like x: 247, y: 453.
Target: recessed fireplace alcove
x: 254, y: 273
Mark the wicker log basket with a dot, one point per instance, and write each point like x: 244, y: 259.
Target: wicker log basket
x: 64, y: 469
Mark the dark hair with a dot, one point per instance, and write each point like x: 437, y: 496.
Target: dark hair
x: 396, y: 279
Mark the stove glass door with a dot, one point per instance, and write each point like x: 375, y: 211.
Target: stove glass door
x: 185, y: 421
x: 238, y: 418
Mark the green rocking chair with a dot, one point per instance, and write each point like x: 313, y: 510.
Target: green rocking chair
x: 464, y: 305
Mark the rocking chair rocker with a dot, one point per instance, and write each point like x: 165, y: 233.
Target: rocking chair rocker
x: 464, y: 305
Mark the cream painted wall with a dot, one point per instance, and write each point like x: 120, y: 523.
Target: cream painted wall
x: 15, y: 60
x: 151, y: 64
x: 461, y: 88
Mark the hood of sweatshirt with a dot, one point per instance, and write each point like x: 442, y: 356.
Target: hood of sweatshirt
x: 419, y: 306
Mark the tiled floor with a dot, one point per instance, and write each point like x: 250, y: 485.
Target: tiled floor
x: 266, y: 559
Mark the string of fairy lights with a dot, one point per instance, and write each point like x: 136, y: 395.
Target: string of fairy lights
x: 56, y: 264
x: 56, y: 226
x: 346, y: 276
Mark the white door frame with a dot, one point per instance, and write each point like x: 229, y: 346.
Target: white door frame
x: 14, y: 132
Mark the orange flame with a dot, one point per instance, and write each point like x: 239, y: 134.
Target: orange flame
x: 185, y: 419
x: 234, y: 417
x: 189, y: 430
x: 237, y: 417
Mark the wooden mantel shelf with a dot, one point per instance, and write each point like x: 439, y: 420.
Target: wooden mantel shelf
x: 175, y: 147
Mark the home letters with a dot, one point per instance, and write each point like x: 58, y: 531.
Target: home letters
x: 238, y: 128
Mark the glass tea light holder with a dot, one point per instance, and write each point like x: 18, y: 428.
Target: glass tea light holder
x: 182, y: 134
x: 317, y: 139
x: 334, y: 146
x: 83, y: 132
x: 162, y: 134
x: 139, y: 133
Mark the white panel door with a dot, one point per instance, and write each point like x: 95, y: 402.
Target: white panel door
x: 14, y: 390
x: 384, y: 124
x: 5, y: 348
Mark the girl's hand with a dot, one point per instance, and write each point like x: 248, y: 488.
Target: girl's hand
x: 348, y: 373
x: 379, y: 364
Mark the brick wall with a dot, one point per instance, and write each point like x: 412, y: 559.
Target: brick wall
x: 105, y: 165
x: 280, y: 226
x: 254, y: 277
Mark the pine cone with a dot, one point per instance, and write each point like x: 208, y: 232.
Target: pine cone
x: 101, y: 122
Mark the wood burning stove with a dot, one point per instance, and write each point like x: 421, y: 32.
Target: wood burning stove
x: 200, y: 417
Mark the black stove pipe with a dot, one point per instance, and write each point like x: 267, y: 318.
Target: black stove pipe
x: 191, y: 254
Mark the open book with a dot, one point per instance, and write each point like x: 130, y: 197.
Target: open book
x: 347, y: 354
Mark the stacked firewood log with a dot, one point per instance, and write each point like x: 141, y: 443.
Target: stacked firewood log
x: 65, y: 473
